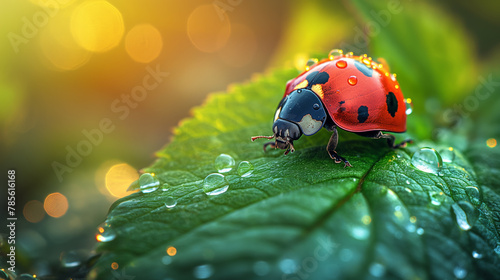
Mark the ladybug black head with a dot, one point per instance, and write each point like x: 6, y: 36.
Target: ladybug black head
x: 300, y: 112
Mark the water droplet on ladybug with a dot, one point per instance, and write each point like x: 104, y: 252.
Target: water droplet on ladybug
x: 316, y: 106
x: 335, y: 52
x: 224, y: 163
x: 148, y: 183
x: 245, y: 169
x: 352, y: 80
x: 310, y: 63
x: 341, y: 64
x: 427, y: 160
x: 349, y: 54
x: 409, y: 106
x: 215, y: 184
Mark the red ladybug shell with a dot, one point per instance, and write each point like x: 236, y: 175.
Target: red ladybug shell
x: 359, y: 94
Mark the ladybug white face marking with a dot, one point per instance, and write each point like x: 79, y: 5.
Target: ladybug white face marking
x: 309, y: 125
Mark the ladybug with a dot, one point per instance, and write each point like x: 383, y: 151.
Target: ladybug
x: 351, y: 92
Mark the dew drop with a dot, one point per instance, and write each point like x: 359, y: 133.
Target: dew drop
x: 377, y: 270
x: 334, y: 53
x: 166, y: 260
x: 203, y: 271
x: 477, y: 255
x: 409, y: 106
x: 170, y: 202
x: 261, y: 268
x: 72, y: 258
x: 360, y: 232
x: 474, y: 194
x: 288, y: 266
x: 148, y: 183
x: 341, y: 64
x: 224, y: 163
x: 427, y: 160
x: 105, y: 233
x: 437, y: 198
x: 465, y: 213
x: 352, y: 80
x: 460, y: 272
x: 497, y: 249
x: 215, y: 184
x: 448, y: 154
x: 310, y: 63
x: 420, y: 231
x: 245, y: 169
x: 25, y: 276
x: 165, y: 187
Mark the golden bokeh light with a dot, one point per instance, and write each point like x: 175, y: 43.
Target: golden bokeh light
x: 492, y: 142
x: 171, y: 251
x: 241, y: 46
x: 206, y: 29
x: 56, y: 205
x: 59, y: 47
x: 143, y: 43
x: 118, y: 179
x: 97, y: 25
x: 33, y: 211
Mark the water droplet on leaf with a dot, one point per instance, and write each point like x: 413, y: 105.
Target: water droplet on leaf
x: 25, y: 276
x: 465, y: 213
x: 72, y: 258
x: 477, y: 255
x: 148, y: 183
x: 437, y: 198
x: 165, y: 187
x: 170, y: 202
x: 448, y: 154
x: 427, y: 160
x: 224, y: 163
x: 420, y: 231
x: 377, y: 270
x: 215, y: 184
x: 245, y: 169
x: 460, y: 272
x: 105, y: 233
x: 203, y: 271
x: 475, y: 195
x: 261, y: 268
x: 288, y: 266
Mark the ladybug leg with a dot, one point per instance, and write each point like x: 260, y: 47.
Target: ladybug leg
x: 332, y: 145
x: 272, y: 144
x: 391, y: 140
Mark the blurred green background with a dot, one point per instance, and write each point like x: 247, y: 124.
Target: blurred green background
x: 81, y: 108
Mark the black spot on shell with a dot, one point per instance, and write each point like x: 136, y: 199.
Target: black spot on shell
x: 392, y: 103
x: 362, y: 114
x: 317, y: 78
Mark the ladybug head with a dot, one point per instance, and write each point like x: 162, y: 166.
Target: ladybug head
x: 300, y: 112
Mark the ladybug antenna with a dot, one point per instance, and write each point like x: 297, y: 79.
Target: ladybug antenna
x: 257, y: 137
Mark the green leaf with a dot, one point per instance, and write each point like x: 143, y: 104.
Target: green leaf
x: 301, y: 216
